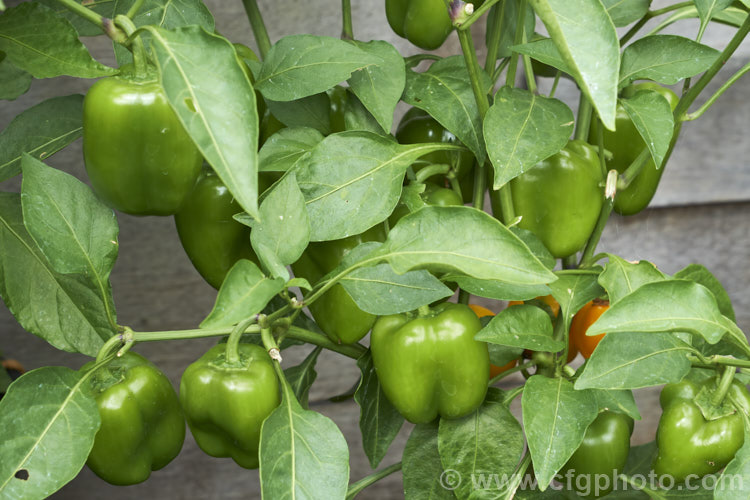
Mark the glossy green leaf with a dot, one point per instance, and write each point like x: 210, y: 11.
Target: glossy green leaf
x: 302, y: 65
x: 501, y: 438
x: 652, y: 116
x: 424, y: 478
x: 701, y: 275
x: 497, y: 290
x: 211, y: 94
x: 13, y: 81
x: 445, y: 92
x: 302, y: 376
x: 244, y: 292
x: 283, y: 231
x: 536, y: 246
x: 40, y: 131
x: 735, y: 480
x: 572, y: 292
x: 357, y: 117
x: 666, y: 59
x: 45, y: 45
x: 313, y: 111
x: 49, y: 422
x: 283, y: 150
x: 624, y: 12
x: 590, y: 48
x: 444, y: 238
x: 83, y: 26
x: 707, y: 9
x: 523, y: 326
x: 65, y: 310
x: 380, y: 85
x: 618, y: 401
x: 555, y: 418
x: 621, y: 277
x: 544, y: 50
x: 379, y: 421
x: 302, y: 454
x: 731, y: 17
x: 631, y: 360
x: 521, y: 129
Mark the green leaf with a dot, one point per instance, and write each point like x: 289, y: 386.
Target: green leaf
x: 444, y: 239
x: 523, y: 326
x: 590, y: 48
x: 624, y: 12
x: 652, y: 116
x: 211, y: 94
x: 555, y: 418
x: 666, y: 59
x: 302, y: 376
x: 65, y: 310
x: 424, y: 478
x: 522, y: 129
x: 665, y: 306
x: 73, y: 228
x: 707, y: 9
x: 45, y: 45
x: 508, y: 26
x: 732, y: 17
x: 497, y: 290
x: 40, y: 131
x: 285, y: 148
x: 357, y: 117
x: 379, y: 421
x: 352, y: 181
x: 445, y: 92
x: 701, y: 275
x: 617, y: 401
x: 545, y: 51
x: 84, y: 27
x: 245, y: 291
x: 302, y: 65
x: 631, y: 360
x: 49, y: 422
x: 537, y: 248
x: 499, y: 434
x: 313, y: 111
x: 380, y: 85
x: 572, y: 292
x: 13, y: 81
x: 302, y: 454
x: 734, y: 483
x: 621, y: 277
x: 283, y: 231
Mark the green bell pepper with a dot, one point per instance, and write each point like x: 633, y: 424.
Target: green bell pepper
x: 559, y: 199
x: 138, y: 156
x: 688, y: 443
x: 430, y: 365
x: 625, y: 144
x: 432, y: 196
x: 335, y: 312
x: 603, y: 452
x: 226, y: 401
x: 425, y: 23
x: 142, y: 425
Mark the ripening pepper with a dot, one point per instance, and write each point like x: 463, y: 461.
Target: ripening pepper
x: 142, y: 425
x: 690, y: 444
x: 425, y: 23
x: 604, y: 451
x: 429, y: 364
x: 625, y: 144
x: 335, y: 312
x: 559, y: 199
x: 139, y: 158
x: 226, y: 401
x: 582, y: 320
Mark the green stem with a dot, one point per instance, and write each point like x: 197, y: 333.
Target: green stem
x: 258, y: 26
x: 563, y: 272
x: 133, y: 10
x: 425, y: 173
x: 511, y: 395
x: 528, y: 70
x: 726, y: 381
x: 477, y: 14
x: 354, y: 351
x: 570, y: 262
x: 648, y: 16
x: 499, y: 70
x: 139, y: 51
x: 423, y: 311
x: 554, y: 84
x: 600, y: 144
x: 110, y: 346
x: 511, y: 371
x: 463, y: 297
x: 268, y: 341
x: 583, y: 121
x: 718, y: 360
x: 472, y: 64
x: 697, y: 113
x: 609, y: 200
x: 493, y: 43
x: 510, y: 78
x: 363, y: 483
x: 232, y: 353
x: 347, y: 31
x: 633, y: 169
x: 102, y: 22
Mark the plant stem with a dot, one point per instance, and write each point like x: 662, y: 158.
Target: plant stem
x: 102, y: 22
x: 109, y: 347
x: 477, y: 14
x: 511, y: 371
x: 697, y: 113
x: 718, y: 360
x: 133, y: 10
x: 650, y: 15
x: 354, y: 351
x: 609, y: 200
x: 583, y: 121
x: 726, y: 381
x: 510, y: 78
x: 493, y: 44
x: 563, y: 272
x: 258, y: 26
x: 554, y: 84
x: 634, y: 169
x: 363, y: 483
x: 472, y: 64
x: 136, y: 45
x: 347, y: 31
x: 463, y: 297
x: 232, y: 353
x: 425, y: 173
x: 528, y: 70
x: 569, y: 262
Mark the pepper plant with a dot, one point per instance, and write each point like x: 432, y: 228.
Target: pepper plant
x: 317, y: 225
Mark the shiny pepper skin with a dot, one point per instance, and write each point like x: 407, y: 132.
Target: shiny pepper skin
x: 425, y: 23
x: 559, y: 199
x: 432, y: 196
x: 688, y: 443
x: 604, y: 451
x: 225, y: 404
x: 582, y: 320
x: 625, y: 144
x: 495, y: 370
x: 142, y: 427
x: 139, y: 158
x: 335, y: 312
x: 431, y: 365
